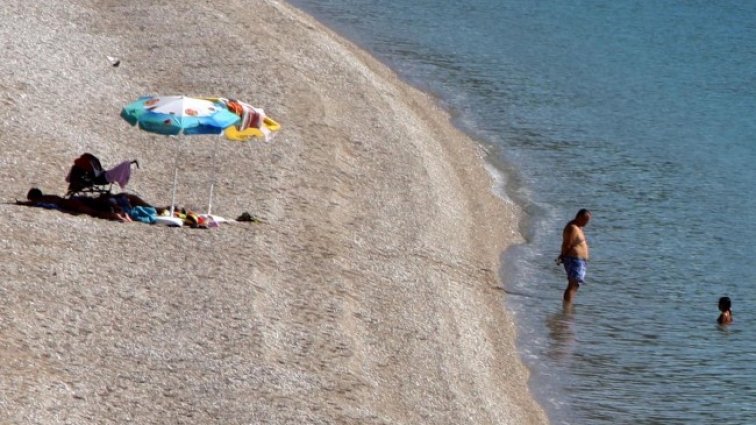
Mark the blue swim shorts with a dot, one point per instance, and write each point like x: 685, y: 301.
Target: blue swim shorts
x: 575, y: 268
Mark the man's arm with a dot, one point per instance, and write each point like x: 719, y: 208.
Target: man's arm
x: 568, y: 235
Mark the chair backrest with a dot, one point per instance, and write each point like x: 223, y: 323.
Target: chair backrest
x: 85, y: 174
x: 88, y: 162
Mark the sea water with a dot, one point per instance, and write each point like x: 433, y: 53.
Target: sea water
x: 642, y: 112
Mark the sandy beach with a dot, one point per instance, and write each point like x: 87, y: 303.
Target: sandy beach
x: 367, y: 294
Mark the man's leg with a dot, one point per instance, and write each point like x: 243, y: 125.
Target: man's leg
x: 572, y: 288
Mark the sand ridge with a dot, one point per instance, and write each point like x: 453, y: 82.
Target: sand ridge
x: 366, y: 295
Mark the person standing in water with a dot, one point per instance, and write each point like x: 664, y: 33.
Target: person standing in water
x: 575, y: 253
x: 725, y: 308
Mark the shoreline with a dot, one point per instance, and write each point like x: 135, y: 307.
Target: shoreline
x: 367, y: 295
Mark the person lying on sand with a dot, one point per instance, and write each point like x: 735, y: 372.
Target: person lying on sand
x: 94, y: 207
x: 725, y: 308
x: 117, y: 207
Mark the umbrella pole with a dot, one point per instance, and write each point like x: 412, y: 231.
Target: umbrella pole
x: 175, y: 177
x: 212, y: 178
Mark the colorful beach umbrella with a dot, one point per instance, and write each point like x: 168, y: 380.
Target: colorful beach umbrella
x: 172, y: 115
x: 179, y: 115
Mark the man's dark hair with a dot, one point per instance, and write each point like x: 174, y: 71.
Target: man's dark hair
x: 34, y: 194
x: 583, y: 212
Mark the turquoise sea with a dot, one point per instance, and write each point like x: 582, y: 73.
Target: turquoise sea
x: 643, y: 112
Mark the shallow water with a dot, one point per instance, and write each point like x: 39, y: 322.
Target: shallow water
x: 643, y: 113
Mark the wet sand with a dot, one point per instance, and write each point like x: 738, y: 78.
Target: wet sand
x: 367, y: 294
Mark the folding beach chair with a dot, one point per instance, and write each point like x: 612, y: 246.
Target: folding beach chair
x: 87, y: 177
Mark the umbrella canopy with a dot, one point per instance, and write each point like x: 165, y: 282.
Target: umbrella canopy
x: 171, y: 115
x: 174, y: 115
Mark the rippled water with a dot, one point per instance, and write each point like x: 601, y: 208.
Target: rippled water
x: 642, y: 112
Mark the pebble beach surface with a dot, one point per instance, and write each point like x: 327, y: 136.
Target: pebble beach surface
x: 366, y: 294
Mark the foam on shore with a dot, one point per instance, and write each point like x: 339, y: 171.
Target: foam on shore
x: 368, y: 294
